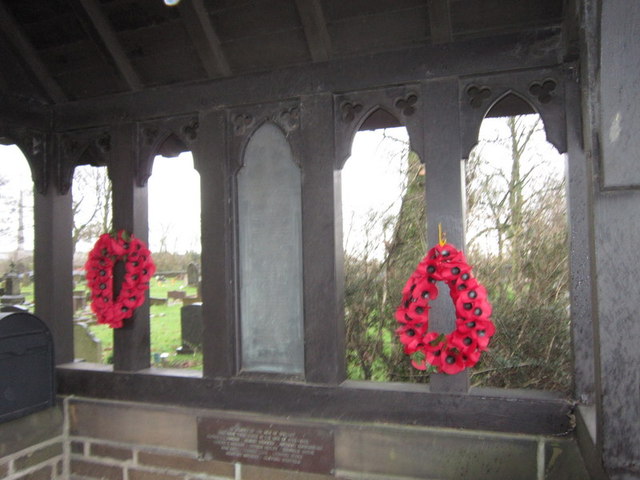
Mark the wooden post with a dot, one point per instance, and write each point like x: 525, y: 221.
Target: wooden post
x: 53, y: 267
x: 131, y: 343
x: 323, y: 283
x: 445, y: 200
x: 219, y: 331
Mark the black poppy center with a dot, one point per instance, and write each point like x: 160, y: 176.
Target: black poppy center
x: 473, y: 294
x: 455, y: 270
x: 450, y: 360
x: 467, y: 306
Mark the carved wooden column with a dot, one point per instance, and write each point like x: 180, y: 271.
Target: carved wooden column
x: 131, y: 343
x: 323, y: 285
x: 53, y: 250
x: 219, y: 334
x: 445, y: 199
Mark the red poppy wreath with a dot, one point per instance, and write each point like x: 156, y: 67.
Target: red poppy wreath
x: 138, y: 266
x: 460, y: 349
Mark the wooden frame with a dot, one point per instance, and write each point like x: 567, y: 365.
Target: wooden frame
x: 317, y: 90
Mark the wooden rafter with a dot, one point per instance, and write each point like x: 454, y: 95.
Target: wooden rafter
x: 205, y: 38
x: 315, y: 29
x: 110, y: 40
x: 30, y: 56
x: 440, y: 21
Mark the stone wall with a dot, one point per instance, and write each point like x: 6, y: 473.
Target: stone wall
x: 127, y: 441
x: 86, y: 439
x: 33, y: 447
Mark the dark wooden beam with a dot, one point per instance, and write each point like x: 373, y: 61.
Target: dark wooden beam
x: 111, y: 42
x: 440, y: 21
x: 469, y: 57
x: 537, y: 413
x: 30, y: 56
x: 205, y: 38
x: 315, y: 29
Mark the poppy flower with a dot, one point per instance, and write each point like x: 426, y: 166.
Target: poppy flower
x: 463, y: 342
x: 480, y: 330
x: 414, y: 279
x: 411, y: 335
x: 131, y: 299
x: 402, y: 315
x: 426, y: 290
x: 476, y: 309
x: 418, y: 309
x: 451, y: 361
x: 471, y: 357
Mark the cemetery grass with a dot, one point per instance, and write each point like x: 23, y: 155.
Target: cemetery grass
x: 165, y: 330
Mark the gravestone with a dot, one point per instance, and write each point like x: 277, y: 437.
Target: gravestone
x: 191, y: 300
x: 12, y: 295
x: 191, y: 327
x: 193, y: 276
x: 79, y: 300
x: 11, y: 283
x: 86, y: 346
x: 176, y: 294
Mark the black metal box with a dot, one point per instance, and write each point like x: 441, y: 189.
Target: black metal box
x: 26, y: 365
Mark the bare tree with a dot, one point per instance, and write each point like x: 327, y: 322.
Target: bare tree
x: 517, y: 222
x: 517, y: 212
x: 92, y: 211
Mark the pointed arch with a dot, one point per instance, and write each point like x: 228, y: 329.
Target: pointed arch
x: 540, y: 90
x: 33, y: 145
x: 374, y: 118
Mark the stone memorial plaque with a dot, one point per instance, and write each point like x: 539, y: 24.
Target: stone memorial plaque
x: 292, y: 447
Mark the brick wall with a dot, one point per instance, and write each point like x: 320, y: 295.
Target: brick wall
x: 32, y: 447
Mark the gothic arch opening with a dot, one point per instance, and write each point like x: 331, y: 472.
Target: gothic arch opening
x: 517, y: 240
x: 174, y: 240
x: 16, y: 231
x: 384, y: 237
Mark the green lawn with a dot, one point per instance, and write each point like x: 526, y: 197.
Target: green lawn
x: 165, y: 330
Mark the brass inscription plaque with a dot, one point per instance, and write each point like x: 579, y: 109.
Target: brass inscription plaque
x: 293, y: 447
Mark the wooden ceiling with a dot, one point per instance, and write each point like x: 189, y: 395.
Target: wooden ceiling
x: 57, y: 51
